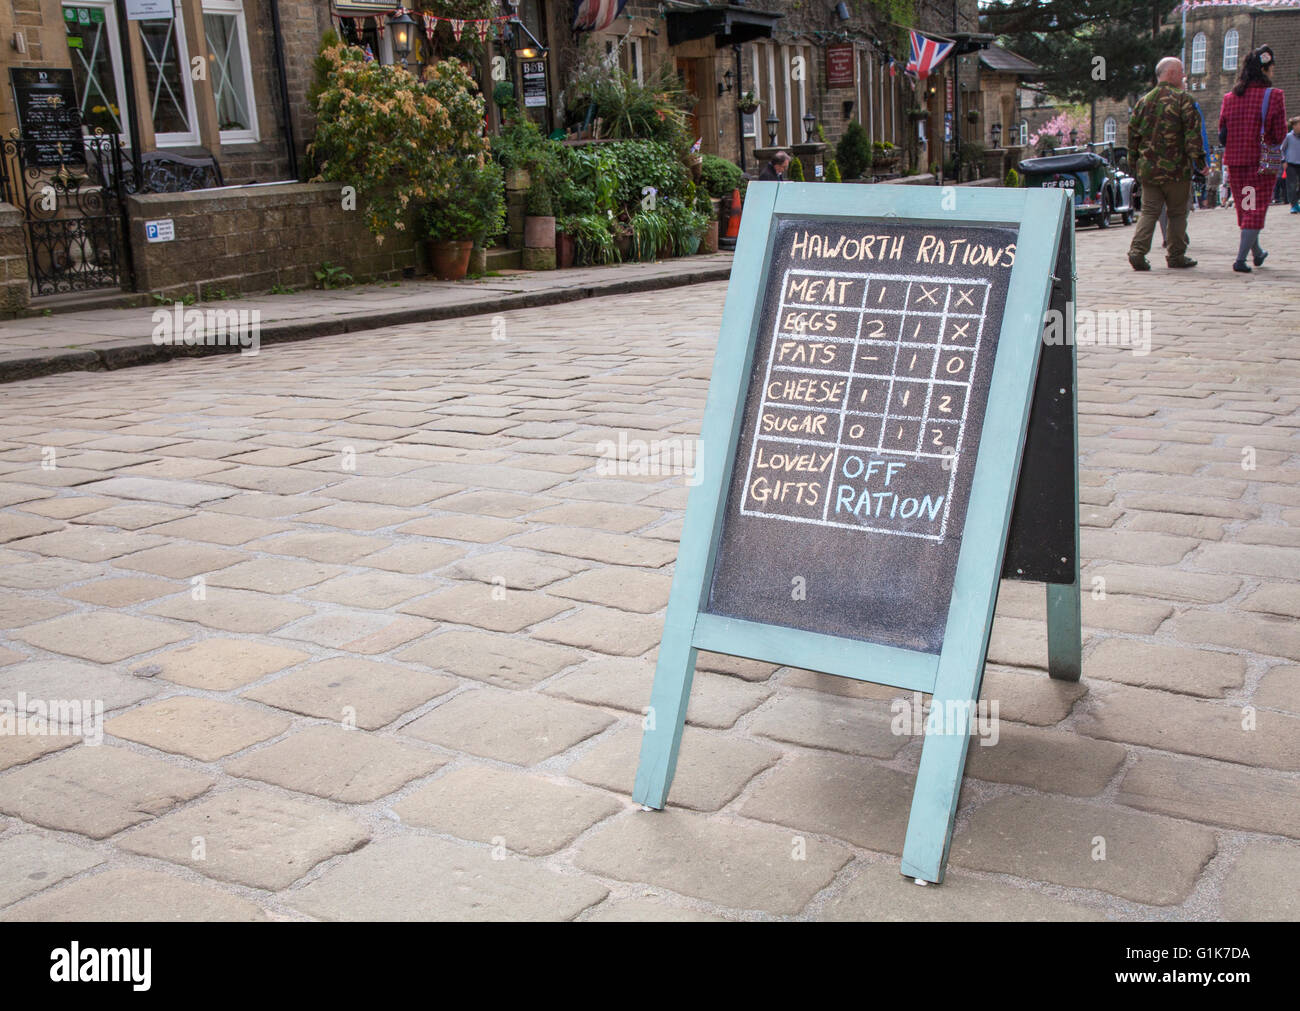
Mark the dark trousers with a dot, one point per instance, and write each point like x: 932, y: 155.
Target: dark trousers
x: 1156, y: 197
x: 1292, y: 183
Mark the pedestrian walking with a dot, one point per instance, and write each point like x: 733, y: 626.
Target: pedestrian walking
x: 1165, y: 136
x: 1291, y: 155
x: 774, y: 170
x: 1252, y: 124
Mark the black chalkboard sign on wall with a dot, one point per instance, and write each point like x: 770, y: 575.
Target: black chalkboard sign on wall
x: 865, y: 403
x: 49, y: 118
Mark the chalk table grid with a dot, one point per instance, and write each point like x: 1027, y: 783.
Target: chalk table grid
x: 928, y: 330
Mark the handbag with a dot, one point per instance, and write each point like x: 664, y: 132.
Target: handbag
x: 1270, y: 155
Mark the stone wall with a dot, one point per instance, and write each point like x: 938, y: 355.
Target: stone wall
x: 251, y: 238
x: 14, y: 285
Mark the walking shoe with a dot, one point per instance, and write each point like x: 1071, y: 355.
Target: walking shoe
x: 1138, y: 262
x: 1259, y: 258
x: 1295, y: 208
x: 1240, y: 267
x: 1181, y: 261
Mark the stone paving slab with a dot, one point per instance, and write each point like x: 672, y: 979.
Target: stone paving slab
x: 306, y: 547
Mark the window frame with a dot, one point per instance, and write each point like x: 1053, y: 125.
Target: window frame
x: 112, y: 34
x: 1199, y: 46
x: 175, y: 138
x: 1109, y: 130
x: 235, y: 9
x: 1233, y: 36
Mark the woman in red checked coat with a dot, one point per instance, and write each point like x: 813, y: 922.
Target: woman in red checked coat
x: 1240, y: 120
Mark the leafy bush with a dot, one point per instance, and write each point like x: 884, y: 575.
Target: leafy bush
x: 539, y: 203
x: 628, y: 109
x: 833, y: 172
x: 854, y: 151
x: 396, y: 139
x: 795, y: 172
x: 720, y: 177
x: 476, y: 209
x: 1012, y: 179
x: 643, y: 163
x: 593, y: 239
x: 651, y: 232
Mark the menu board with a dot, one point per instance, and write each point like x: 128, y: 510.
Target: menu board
x: 863, y: 415
x: 49, y: 118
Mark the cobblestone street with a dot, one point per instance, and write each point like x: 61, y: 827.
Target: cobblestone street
x: 373, y: 625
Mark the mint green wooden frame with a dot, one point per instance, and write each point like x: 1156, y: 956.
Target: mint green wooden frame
x: 1042, y: 217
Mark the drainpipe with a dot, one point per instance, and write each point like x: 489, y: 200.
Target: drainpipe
x: 133, y: 107
x: 278, y: 40
x: 740, y: 118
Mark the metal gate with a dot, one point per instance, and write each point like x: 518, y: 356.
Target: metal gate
x: 74, y: 206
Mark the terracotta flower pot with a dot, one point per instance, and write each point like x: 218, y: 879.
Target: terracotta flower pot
x: 450, y: 260
x: 563, y: 250
x: 539, y: 233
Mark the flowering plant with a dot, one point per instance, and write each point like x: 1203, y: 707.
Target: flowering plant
x: 397, y: 139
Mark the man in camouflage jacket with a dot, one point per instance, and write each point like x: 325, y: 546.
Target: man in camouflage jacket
x: 1164, y: 134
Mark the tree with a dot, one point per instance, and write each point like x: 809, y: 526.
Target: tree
x: 1087, y: 49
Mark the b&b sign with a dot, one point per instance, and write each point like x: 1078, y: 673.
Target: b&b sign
x: 886, y: 429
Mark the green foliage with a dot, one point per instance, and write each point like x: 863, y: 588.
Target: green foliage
x: 1012, y: 179
x: 651, y: 232
x: 1066, y: 37
x: 854, y: 151
x: 476, y: 207
x: 282, y: 289
x: 503, y: 94
x: 795, y: 172
x: 833, y: 172
x: 685, y: 226
x: 655, y: 110
x: 593, y: 238
x: 396, y: 139
x: 331, y: 276
x: 539, y: 203
x: 720, y: 177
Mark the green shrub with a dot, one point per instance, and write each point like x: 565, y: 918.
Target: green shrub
x: 1012, y: 179
x: 476, y: 209
x: 539, y: 203
x: 833, y: 172
x: 630, y: 110
x: 854, y: 151
x: 795, y: 172
x: 593, y: 240
x: 719, y: 176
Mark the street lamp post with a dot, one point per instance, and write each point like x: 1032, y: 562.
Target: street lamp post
x: 772, y: 123
x: 809, y: 121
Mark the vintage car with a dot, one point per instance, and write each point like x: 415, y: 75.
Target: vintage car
x: 1099, y: 190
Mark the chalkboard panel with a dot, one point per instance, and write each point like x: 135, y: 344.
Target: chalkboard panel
x: 865, y: 403
x: 49, y: 118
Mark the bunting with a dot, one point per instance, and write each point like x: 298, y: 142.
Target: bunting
x: 481, y: 26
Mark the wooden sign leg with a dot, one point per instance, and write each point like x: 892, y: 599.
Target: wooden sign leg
x: 1064, y: 630
x: 666, y: 719
x: 938, y: 780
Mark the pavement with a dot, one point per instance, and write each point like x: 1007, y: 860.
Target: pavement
x: 94, y: 339
x: 372, y: 625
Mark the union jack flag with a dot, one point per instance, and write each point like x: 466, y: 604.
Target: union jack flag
x: 927, y: 53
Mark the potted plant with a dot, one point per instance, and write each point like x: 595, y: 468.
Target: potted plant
x: 747, y: 103
x: 916, y: 113
x: 539, y: 216
x: 650, y: 235
x: 564, y: 242
x: 972, y: 115
x: 453, y: 226
x: 884, y: 155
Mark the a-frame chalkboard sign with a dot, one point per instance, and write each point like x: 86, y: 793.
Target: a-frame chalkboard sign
x: 886, y: 435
